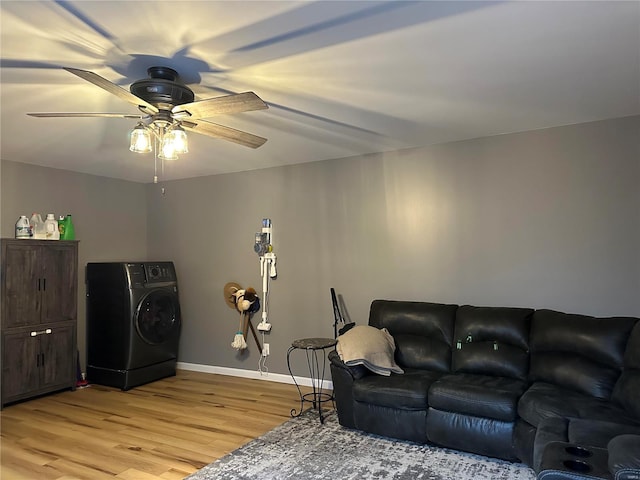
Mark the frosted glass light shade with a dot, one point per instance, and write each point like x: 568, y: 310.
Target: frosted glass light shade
x: 140, y: 139
x: 167, y: 150
x: 178, y: 138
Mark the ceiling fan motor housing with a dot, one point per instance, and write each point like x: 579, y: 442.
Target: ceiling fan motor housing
x: 163, y: 88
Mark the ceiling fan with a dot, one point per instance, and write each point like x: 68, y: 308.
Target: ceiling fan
x: 168, y: 106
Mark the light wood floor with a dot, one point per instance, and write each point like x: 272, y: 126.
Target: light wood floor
x: 163, y: 430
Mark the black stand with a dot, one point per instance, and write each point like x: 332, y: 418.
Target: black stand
x: 317, y: 397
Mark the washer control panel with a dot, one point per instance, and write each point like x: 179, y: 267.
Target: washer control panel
x: 145, y: 273
x: 158, y: 272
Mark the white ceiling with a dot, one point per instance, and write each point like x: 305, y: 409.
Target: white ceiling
x: 341, y: 78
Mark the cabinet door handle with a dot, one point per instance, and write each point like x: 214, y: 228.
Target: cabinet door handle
x: 39, y: 284
x: 35, y: 333
x: 44, y: 284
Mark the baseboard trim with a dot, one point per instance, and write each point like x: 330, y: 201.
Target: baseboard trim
x: 254, y: 374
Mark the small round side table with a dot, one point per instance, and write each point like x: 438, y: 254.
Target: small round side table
x: 314, y: 347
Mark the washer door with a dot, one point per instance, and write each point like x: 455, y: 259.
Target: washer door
x: 158, y: 317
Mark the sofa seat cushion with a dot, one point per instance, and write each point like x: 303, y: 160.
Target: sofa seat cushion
x: 407, y: 392
x: 477, y: 395
x: 598, y: 432
x: 544, y: 400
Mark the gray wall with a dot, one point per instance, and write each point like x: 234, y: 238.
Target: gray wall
x: 544, y: 219
x: 109, y: 216
x: 549, y: 218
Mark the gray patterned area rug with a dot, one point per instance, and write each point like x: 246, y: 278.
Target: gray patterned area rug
x: 303, y: 449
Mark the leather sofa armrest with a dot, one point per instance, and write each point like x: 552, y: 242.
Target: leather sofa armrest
x: 356, y: 371
x: 624, y: 457
x: 570, y: 461
x: 343, y: 377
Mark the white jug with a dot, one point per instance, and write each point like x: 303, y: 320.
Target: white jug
x: 37, y: 227
x: 23, y: 230
x: 51, y: 231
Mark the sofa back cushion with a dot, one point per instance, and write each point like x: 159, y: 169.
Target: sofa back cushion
x: 492, y: 341
x: 423, y: 331
x: 579, y: 352
x: 627, y: 390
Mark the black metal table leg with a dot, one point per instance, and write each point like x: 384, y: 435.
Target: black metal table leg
x: 293, y: 410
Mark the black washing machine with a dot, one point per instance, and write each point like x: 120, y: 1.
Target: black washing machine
x: 133, y: 323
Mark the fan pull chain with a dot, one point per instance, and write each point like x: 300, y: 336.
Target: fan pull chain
x: 155, y: 160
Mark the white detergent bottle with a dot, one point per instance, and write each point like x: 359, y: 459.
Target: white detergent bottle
x: 22, y: 227
x: 51, y: 231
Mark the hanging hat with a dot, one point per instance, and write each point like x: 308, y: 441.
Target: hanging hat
x: 229, y: 291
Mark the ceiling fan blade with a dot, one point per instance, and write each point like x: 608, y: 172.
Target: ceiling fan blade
x: 236, y: 103
x: 107, y: 115
x: 225, y: 133
x: 112, y: 88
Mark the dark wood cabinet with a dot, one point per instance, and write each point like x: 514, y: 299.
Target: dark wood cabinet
x: 39, y: 317
x: 37, y: 361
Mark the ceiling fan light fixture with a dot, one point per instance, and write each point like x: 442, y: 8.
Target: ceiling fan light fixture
x: 178, y: 137
x: 140, y: 139
x: 167, y: 149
